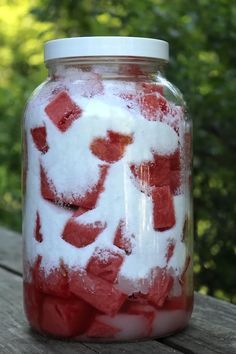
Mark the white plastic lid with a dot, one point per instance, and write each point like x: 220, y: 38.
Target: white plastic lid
x: 106, y: 46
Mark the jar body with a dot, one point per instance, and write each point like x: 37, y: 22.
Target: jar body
x: 107, y: 213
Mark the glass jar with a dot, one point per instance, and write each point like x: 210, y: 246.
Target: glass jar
x: 107, y: 210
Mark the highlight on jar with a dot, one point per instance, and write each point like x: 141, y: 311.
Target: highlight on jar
x: 107, y: 210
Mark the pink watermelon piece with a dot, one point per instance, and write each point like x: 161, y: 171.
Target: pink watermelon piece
x: 53, y: 283
x: 99, y: 293
x: 81, y: 235
x: 37, y: 232
x: 39, y: 136
x: 163, y: 208
x: 47, y: 188
x: 32, y: 304
x: 99, y: 329
x: 121, y: 241
x: 148, y: 88
x: 170, y: 250
x: 87, y: 201
x: 111, y: 148
x: 160, y: 288
x: 65, y: 318
x: 153, y: 106
x: 175, y: 182
x: 105, y: 264
x: 63, y: 111
x: 153, y: 173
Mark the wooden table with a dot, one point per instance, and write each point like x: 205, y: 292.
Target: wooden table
x: 212, y: 328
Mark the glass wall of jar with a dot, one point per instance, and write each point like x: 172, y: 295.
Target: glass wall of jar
x: 107, y: 212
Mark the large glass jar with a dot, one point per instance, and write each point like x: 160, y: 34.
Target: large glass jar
x: 107, y: 213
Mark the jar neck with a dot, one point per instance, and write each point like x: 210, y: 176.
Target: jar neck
x: 108, y: 67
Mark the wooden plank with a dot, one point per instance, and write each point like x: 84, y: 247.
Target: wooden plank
x: 11, y: 250
x: 134, y: 348
x: 211, y: 329
x: 17, y: 338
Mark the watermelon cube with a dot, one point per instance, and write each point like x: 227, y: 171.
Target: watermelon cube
x: 148, y: 88
x: 99, y: 329
x: 39, y: 136
x: 153, y: 173
x: 175, y: 182
x: 54, y: 282
x: 99, y: 293
x: 170, y: 250
x: 87, y: 201
x: 162, y: 283
x: 105, y: 264
x: 81, y: 235
x: 37, y: 232
x: 32, y: 304
x: 112, y: 147
x: 65, y: 318
x: 175, y: 161
x: 63, y: 111
x: 131, y: 70
x: 121, y: 240
x: 48, y: 190
x: 153, y: 106
x: 163, y: 208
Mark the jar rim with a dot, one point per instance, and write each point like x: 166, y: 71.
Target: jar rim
x: 110, y: 46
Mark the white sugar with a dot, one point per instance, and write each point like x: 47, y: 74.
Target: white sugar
x: 73, y: 168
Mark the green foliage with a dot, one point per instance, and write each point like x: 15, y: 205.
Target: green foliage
x: 202, y: 38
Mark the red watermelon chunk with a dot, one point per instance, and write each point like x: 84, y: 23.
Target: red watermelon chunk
x: 99, y: 293
x: 175, y: 161
x: 163, y: 208
x: 105, y: 264
x: 79, y: 211
x: 175, y: 182
x: 53, y: 283
x: 131, y: 70
x: 37, y: 232
x: 111, y: 148
x: 99, y: 329
x: 80, y: 235
x: 148, y: 88
x: 153, y: 173
x: 170, y: 250
x: 39, y: 136
x: 87, y: 201
x: 65, y: 318
x: 160, y: 288
x: 121, y: 240
x: 63, y: 111
x: 47, y: 188
x: 32, y: 304
x: 153, y: 106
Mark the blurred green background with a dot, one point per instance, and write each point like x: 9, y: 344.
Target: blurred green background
x: 202, y: 36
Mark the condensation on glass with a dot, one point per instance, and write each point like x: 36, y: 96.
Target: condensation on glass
x: 107, y: 208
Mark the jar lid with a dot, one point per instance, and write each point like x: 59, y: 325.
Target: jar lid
x: 106, y: 46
